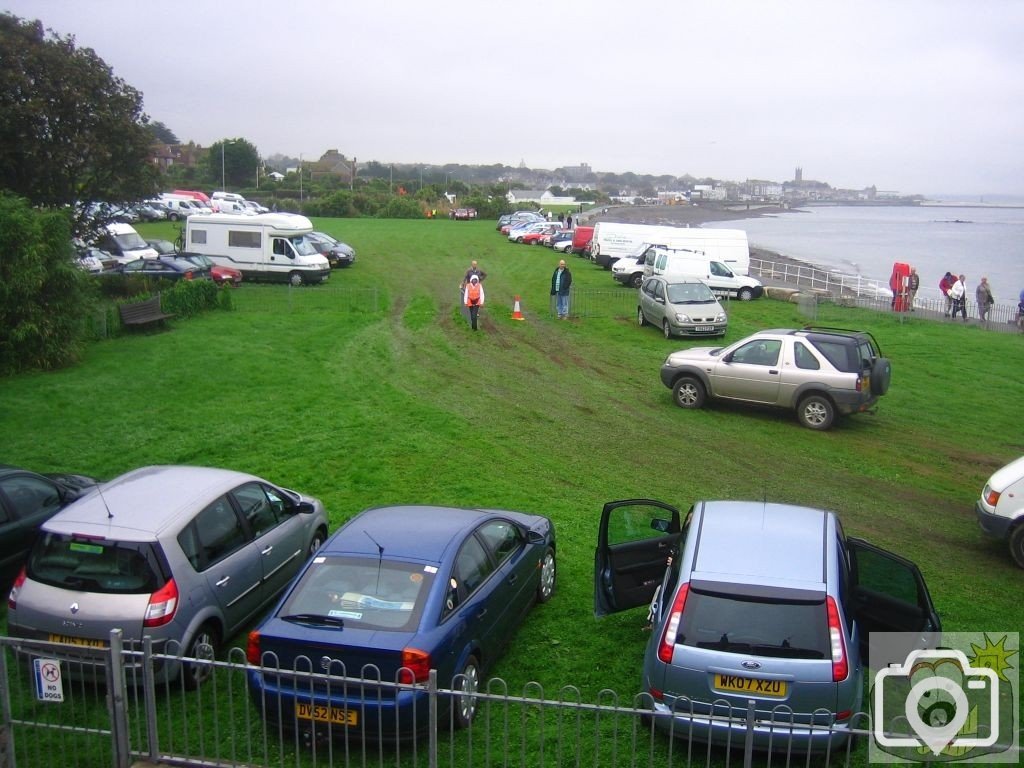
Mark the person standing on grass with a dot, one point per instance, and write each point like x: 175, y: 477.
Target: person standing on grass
x: 913, y: 283
x: 474, y: 269
x: 473, y: 297
x: 561, y: 280
x: 983, y: 293
x: 958, y: 294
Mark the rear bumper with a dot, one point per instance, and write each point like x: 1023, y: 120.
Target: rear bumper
x: 776, y: 735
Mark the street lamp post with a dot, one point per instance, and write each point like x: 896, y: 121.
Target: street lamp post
x: 223, y: 175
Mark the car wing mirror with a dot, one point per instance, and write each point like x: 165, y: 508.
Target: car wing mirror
x: 304, y: 507
x: 660, y: 525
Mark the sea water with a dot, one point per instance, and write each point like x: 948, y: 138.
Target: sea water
x: 868, y: 240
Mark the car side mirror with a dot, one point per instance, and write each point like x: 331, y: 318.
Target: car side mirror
x: 304, y: 507
x: 661, y: 525
x: 727, y: 358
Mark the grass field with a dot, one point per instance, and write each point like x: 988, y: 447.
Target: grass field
x: 397, y: 401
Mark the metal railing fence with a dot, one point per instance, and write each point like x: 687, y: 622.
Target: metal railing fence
x: 119, y: 717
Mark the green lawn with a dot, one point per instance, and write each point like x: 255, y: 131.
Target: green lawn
x: 372, y: 390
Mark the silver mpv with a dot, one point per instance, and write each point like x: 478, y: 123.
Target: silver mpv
x: 759, y: 610
x: 184, y: 555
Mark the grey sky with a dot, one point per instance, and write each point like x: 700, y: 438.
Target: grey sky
x: 912, y: 96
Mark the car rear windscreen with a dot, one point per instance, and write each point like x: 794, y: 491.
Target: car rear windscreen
x: 96, y: 565
x: 368, y: 593
x: 795, y: 630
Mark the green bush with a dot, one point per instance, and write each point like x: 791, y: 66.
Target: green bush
x: 45, y: 300
x: 401, y: 208
x: 187, y: 298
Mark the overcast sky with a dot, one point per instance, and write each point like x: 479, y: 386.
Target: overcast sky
x: 910, y: 96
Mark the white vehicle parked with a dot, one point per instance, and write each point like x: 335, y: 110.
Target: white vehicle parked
x: 1000, y: 509
x: 667, y: 262
x: 613, y: 241
x: 125, y: 244
x: 270, y: 246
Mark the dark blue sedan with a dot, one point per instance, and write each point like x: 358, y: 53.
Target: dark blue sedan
x: 393, y: 594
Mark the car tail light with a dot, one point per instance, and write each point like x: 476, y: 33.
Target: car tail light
x: 12, y: 598
x: 656, y: 693
x: 840, y: 663
x: 162, y: 605
x: 415, y: 666
x: 860, y: 383
x: 668, y: 637
x: 991, y: 497
x: 252, y: 648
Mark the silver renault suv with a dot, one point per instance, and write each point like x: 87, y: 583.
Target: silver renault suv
x: 757, y: 611
x: 184, y: 555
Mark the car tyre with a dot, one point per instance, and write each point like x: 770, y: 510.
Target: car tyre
x: 816, y: 412
x: 295, y: 278
x: 637, y: 281
x: 745, y: 294
x: 318, y: 541
x: 666, y: 329
x: 689, y: 392
x: 640, y: 319
x: 1016, y: 541
x: 548, y: 576
x: 203, y: 645
x: 881, y: 375
x: 466, y: 684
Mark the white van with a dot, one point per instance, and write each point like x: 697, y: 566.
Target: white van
x: 271, y: 246
x: 125, y: 244
x: 613, y: 241
x: 179, y: 207
x: 1000, y: 510
x: 675, y: 263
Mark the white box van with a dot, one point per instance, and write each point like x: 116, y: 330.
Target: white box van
x: 613, y: 241
x: 675, y: 263
x: 271, y: 246
x: 180, y: 207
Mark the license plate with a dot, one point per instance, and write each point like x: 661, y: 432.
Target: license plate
x: 324, y: 714
x: 704, y: 328
x: 735, y: 684
x: 81, y: 642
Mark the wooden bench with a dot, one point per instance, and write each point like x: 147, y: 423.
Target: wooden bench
x: 142, y: 312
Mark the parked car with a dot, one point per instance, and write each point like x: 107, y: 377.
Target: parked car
x: 561, y: 242
x: 755, y: 602
x: 1000, y: 509
x: 92, y: 260
x: 147, y: 212
x: 533, y: 229
x: 221, y: 275
x: 464, y: 214
x: 27, y: 500
x: 162, y: 247
x: 820, y: 373
x: 338, y: 254
x: 255, y: 207
x: 680, y: 308
x: 166, y: 267
x: 185, y: 555
x: 405, y: 590
x: 535, y: 235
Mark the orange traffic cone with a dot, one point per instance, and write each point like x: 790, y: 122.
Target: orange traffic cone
x: 517, y: 313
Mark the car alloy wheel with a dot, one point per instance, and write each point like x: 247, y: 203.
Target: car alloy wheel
x: 466, y: 684
x: 546, y: 588
x: 688, y: 392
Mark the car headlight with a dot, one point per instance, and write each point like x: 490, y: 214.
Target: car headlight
x: 681, y: 318
x: 721, y: 318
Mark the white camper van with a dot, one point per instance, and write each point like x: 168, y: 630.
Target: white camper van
x: 271, y: 246
x: 673, y: 263
x: 613, y: 241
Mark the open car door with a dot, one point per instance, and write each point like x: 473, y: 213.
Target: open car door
x: 634, y: 542
x: 888, y: 594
